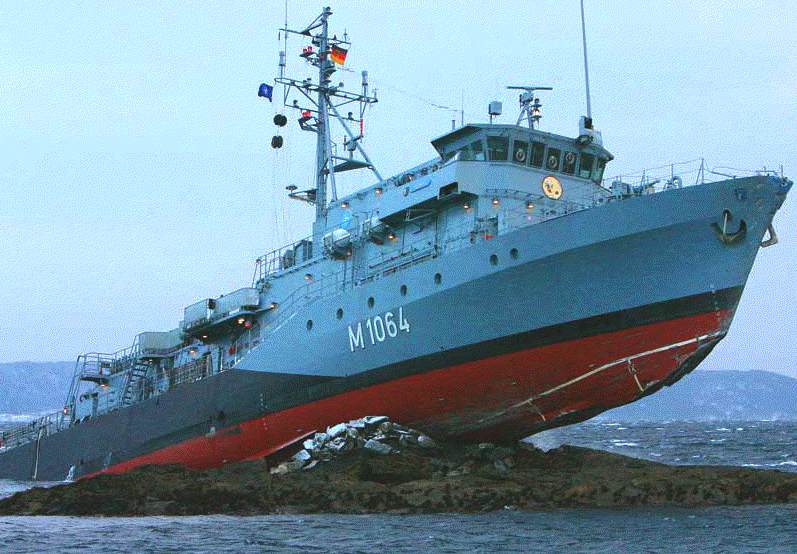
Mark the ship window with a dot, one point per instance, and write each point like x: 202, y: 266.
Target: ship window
x: 552, y: 161
x: 493, y: 260
x: 438, y: 278
x: 569, y: 166
x: 497, y: 148
x: 371, y: 302
x: 537, y: 154
x: 520, y: 152
x: 403, y: 290
x: 587, y: 161
x: 597, y: 175
x: 339, y: 313
x: 513, y: 253
x: 474, y: 152
x: 309, y: 324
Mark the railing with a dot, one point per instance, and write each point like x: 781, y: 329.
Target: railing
x: 384, y: 264
x: 186, y: 373
x: 275, y: 261
x: 95, y: 365
x: 416, y: 172
x: 679, y: 174
x: 33, y: 430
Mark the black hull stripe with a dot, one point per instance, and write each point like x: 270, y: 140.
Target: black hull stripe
x: 725, y: 299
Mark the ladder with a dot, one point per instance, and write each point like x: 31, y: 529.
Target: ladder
x: 135, y: 376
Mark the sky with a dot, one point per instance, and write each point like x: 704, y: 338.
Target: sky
x: 136, y: 175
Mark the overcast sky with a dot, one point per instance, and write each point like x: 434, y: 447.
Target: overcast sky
x: 136, y: 176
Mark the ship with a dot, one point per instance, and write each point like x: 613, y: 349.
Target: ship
x: 500, y: 289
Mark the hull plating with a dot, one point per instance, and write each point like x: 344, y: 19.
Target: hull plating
x: 595, y: 310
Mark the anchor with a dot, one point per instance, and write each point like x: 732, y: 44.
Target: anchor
x: 722, y: 232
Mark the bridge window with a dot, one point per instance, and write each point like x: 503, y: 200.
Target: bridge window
x: 553, y: 159
x: 597, y: 175
x: 497, y: 148
x: 474, y: 152
x: 585, y: 170
x: 537, y: 154
x: 569, y: 165
x: 520, y: 152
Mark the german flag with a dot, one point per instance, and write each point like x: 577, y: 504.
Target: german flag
x: 339, y: 55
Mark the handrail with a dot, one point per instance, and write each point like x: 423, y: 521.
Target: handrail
x: 408, y: 256
x: 29, y: 432
x: 664, y: 176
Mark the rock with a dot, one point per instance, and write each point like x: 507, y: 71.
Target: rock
x: 426, y: 442
x: 352, y: 433
x: 378, y: 447
x: 375, y: 420
x: 294, y: 465
x: 385, y: 427
x: 454, y: 477
x: 279, y: 470
x: 336, y: 430
x: 302, y: 456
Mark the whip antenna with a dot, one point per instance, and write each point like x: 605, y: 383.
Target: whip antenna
x: 586, y: 65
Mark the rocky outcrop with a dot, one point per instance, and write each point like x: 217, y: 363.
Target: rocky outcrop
x: 412, y: 479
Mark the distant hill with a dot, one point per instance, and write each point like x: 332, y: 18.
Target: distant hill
x: 716, y: 395
x: 34, y: 386
x: 27, y: 387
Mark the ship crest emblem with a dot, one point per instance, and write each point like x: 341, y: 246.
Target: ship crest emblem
x: 552, y: 187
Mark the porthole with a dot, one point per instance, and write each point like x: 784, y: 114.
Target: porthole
x: 438, y: 278
x: 309, y: 324
x: 494, y: 260
x: 371, y: 302
x: 514, y: 253
x: 403, y: 290
x: 339, y: 313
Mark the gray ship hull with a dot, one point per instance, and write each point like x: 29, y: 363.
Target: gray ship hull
x: 535, y: 328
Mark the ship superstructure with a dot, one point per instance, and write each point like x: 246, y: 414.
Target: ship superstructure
x: 502, y: 288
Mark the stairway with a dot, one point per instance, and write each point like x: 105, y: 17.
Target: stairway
x: 135, y: 376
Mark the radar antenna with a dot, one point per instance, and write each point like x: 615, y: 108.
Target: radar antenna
x: 529, y: 104
x: 319, y: 103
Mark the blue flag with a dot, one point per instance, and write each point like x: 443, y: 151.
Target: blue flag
x: 265, y: 91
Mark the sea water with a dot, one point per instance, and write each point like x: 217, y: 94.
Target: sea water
x: 769, y: 445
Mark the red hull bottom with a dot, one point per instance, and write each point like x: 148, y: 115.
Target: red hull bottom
x: 499, y: 398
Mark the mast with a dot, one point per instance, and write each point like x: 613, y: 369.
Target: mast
x: 323, y: 147
x: 324, y: 99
